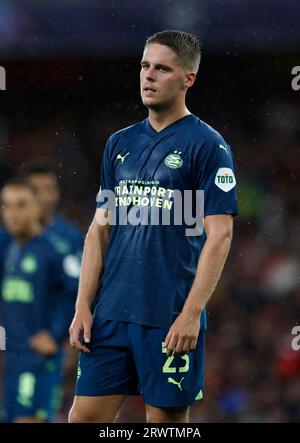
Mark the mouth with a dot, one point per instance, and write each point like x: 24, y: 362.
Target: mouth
x: 149, y: 89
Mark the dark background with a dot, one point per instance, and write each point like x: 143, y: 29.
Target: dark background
x: 73, y: 79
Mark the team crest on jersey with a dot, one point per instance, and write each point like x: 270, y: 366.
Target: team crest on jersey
x: 225, y: 179
x: 29, y: 264
x: 62, y: 246
x: 174, y: 160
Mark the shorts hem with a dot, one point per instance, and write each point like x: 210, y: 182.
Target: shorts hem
x: 162, y: 404
x: 87, y: 393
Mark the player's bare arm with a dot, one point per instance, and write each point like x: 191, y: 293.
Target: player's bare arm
x: 183, y: 334
x: 92, y: 262
x: 43, y: 343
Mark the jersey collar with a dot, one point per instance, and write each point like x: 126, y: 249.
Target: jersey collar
x: 181, y: 121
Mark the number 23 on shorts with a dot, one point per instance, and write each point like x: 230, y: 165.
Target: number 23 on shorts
x: 169, y: 369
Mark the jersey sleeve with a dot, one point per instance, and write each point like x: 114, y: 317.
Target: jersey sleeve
x: 77, y: 242
x: 215, y: 176
x: 106, y: 178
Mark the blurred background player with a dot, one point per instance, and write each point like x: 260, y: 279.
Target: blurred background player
x: 66, y: 236
x: 36, y: 302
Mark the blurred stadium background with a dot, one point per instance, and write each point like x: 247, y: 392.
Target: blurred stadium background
x: 72, y: 79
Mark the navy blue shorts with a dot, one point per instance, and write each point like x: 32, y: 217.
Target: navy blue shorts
x: 128, y: 358
x: 34, y: 390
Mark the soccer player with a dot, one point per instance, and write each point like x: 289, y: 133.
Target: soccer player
x: 35, y: 296
x: 66, y: 236
x: 146, y: 335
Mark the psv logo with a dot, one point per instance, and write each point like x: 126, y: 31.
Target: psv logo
x: 174, y: 160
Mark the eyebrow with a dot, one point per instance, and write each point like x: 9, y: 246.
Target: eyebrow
x: 157, y: 65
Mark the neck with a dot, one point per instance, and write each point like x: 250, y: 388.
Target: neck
x: 34, y: 230
x: 163, y: 118
x: 46, y: 218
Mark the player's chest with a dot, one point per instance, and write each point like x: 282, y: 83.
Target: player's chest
x: 27, y: 265
x: 169, y: 163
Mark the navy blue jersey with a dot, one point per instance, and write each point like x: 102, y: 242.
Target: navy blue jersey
x: 149, y: 268
x: 67, y: 240
x: 35, y: 293
x: 67, y: 237
x: 5, y: 239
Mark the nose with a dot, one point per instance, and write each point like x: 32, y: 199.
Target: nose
x: 150, y: 74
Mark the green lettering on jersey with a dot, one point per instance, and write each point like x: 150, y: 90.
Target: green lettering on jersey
x: 26, y: 389
x: 29, y: 264
x: 15, y: 289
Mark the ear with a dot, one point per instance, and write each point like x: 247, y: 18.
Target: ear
x: 190, y: 78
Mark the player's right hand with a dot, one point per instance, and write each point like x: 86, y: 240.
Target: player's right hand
x: 43, y: 343
x: 81, y: 329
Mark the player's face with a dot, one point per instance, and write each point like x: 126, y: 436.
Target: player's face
x: 19, y: 209
x: 162, y: 78
x: 46, y: 189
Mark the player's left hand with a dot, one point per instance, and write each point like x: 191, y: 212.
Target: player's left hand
x: 43, y: 343
x: 183, y: 334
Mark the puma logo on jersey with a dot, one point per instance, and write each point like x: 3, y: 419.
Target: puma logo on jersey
x: 178, y: 383
x: 119, y: 157
x: 223, y: 147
